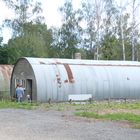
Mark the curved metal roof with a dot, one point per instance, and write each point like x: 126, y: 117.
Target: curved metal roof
x: 59, y: 78
x: 40, y: 61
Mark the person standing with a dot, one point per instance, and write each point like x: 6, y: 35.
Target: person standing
x: 19, y: 93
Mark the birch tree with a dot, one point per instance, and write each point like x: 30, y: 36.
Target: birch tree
x: 94, y: 13
x: 135, y: 23
x: 122, y: 35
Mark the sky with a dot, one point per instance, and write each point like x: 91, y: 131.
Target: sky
x: 5, y: 13
x: 50, y: 12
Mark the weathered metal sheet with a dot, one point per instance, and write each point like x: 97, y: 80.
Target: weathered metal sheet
x: 58, y: 78
x: 5, y: 75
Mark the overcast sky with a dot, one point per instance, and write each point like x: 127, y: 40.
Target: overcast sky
x: 50, y: 12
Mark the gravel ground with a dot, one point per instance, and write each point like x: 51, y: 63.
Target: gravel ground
x: 19, y: 124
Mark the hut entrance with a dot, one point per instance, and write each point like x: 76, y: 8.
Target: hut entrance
x: 29, y: 87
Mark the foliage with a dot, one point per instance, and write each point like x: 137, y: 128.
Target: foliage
x: 31, y: 37
x: 34, y: 42
x: 98, y: 29
x: 118, y: 111
x: 67, y: 37
x: 25, y: 12
x: 93, y: 106
x: 3, y: 55
x: 110, y: 48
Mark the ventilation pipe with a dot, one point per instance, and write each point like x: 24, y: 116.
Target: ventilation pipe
x: 77, y: 55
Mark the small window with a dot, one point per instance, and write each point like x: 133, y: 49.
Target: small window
x: 20, y: 82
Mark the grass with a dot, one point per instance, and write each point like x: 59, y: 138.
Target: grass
x: 133, y: 119
x: 117, y: 111
x: 94, y: 107
x: 112, y: 105
x: 22, y: 105
x: 113, y: 111
x: 135, y: 105
x: 58, y: 106
x: 116, y: 116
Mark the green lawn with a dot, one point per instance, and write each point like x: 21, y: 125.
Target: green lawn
x: 23, y: 105
x: 112, y: 111
x: 116, y: 116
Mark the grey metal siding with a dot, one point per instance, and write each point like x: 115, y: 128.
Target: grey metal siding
x: 55, y: 79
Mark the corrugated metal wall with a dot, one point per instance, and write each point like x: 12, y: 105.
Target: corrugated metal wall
x: 5, y: 75
x: 58, y: 78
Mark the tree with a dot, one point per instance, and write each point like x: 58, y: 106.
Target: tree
x: 97, y: 15
x: 69, y: 33
x: 122, y: 28
x: 25, y: 12
x: 124, y: 35
x: 35, y: 41
x: 90, y: 31
x: 110, y: 45
x: 128, y: 32
x: 3, y: 55
x: 110, y: 48
x: 134, y: 30
x: 31, y: 37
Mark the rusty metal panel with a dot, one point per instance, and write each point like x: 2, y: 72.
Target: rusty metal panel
x: 5, y: 76
x: 69, y: 73
x: 58, y: 78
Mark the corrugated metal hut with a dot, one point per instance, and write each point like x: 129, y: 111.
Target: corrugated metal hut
x: 56, y: 79
x: 5, y: 75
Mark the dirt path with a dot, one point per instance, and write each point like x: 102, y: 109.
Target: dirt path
x: 18, y: 124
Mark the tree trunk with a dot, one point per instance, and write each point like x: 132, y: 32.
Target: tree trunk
x: 122, y: 36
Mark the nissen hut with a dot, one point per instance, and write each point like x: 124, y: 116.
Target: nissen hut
x: 58, y: 79
x: 5, y: 75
